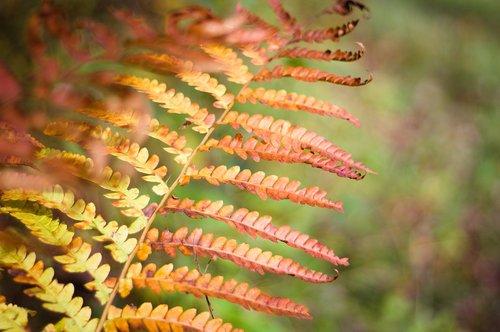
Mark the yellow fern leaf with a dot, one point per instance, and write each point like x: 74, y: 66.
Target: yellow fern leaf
x: 115, y: 145
x: 172, y: 101
x: 232, y: 65
x: 129, y: 199
x: 57, y: 297
x: 13, y: 318
x: 184, y: 69
x: 56, y: 198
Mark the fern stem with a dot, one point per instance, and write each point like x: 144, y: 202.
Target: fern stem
x: 162, y: 202
x: 153, y: 216
x: 199, y: 270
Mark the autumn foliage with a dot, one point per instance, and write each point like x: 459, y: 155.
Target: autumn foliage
x: 95, y: 133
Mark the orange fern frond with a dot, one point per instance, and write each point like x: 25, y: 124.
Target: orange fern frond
x: 307, y: 53
x: 287, y: 21
x: 187, y: 73
x: 161, y: 318
x: 253, y: 259
x: 308, y: 75
x: 232, y: 65
x: 258, y: 183
x: 257, y: 150
x: 172, y: 101
x: 279, y: 132
x: 184, y: 280
x: 294, y: 102
x: 249, y: 222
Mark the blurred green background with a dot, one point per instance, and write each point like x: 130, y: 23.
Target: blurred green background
x: 422, y: 235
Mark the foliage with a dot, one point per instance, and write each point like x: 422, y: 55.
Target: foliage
x: 88, y: 75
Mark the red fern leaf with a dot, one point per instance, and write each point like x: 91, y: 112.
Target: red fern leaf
x: 319, y: 36
x: 286, y: 20
x: 249, y: 222
x: 191, y: 281
x: 308, y: 75
x: 280, y: 131
x: 257, y: 149
x: 294, y: 102
x: 253, y: 259
x: 258, y: 183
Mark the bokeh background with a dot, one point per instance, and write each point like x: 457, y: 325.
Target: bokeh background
x: 423, y: 235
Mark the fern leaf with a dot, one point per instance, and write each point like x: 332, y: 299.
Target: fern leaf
x: 264, y: 186
x: 319, y: 36
x: 56, y: 198
x: 115, y: 145
x: 13, y: 318
x: 40, y: 223
x: 176, y: 143
x: 257, y: 150
x: 129, y: 199
x: 294, y: 102
x: 184, y: 70
x: 308, y: 75
x: 249, y: 222
x: 57, y: 297
x: 172, y: 101
x: 184, y: 280
x: 253, y: 259
x: 233, y: 66
x: 161, y: 318
x: 287, y: 21
x: 279, y: 132
x: 48, y: 230
x: 306, y: 53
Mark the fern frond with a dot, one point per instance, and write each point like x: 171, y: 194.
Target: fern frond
x: 257, y: 150
x: 13, y: 318
x: 253, y: 259
x: 307, y: 53
x: 294, y: 102
x: 184, y: 70
x: 249, y: 222
x: 161, y: 318
x: 57, y: 297
x: 258, y: 183
x: 114, y: 235
x: 40, y: 222
x: 287, y: 21
x: 115, y: 145
x: 77, y: 259
x: 184, y: 280
x: 308, y: 75
x: 172, y: 101
x: 233, y: 66
x: 129, y: 199
x: 319, y: 36
x: 282, y: 132
x: 176, y: 144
